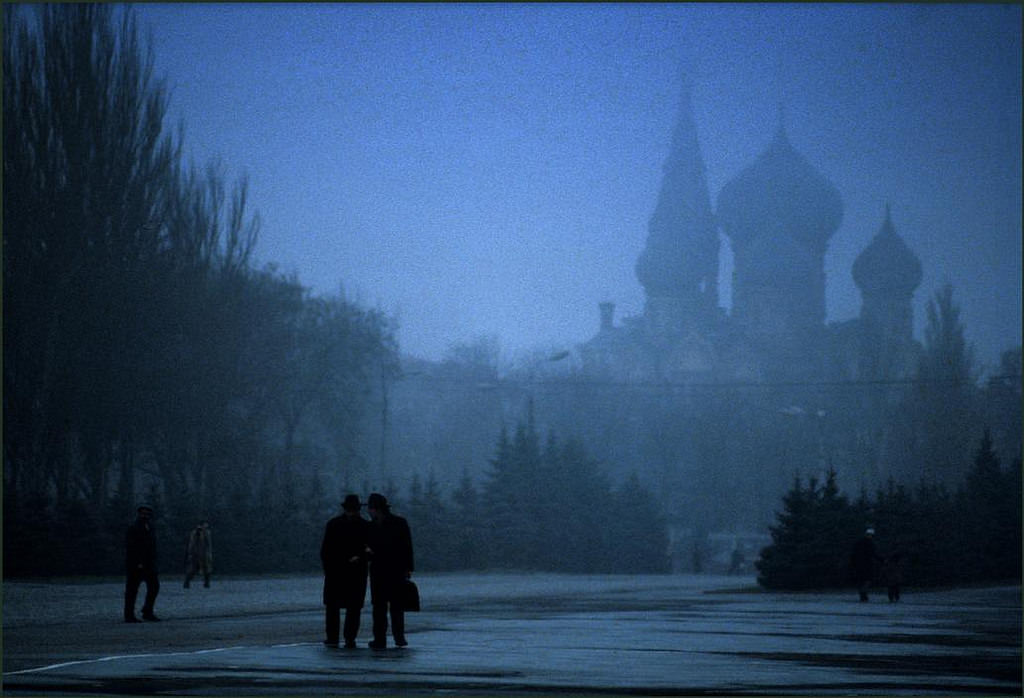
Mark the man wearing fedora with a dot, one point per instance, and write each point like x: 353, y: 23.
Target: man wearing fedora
x: 343, y: 555
x: 390, y: 545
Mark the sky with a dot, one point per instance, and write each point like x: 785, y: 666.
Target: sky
x: 488, y: 170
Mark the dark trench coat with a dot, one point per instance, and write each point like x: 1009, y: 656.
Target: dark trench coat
x: 391, y: 559
x: 344, y: 580
x: 863, y: 560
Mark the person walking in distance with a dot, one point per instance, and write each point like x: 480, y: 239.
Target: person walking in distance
x: 140, y: 565
x: 343, y: 554
x: 199, y: 554
x: 862, y: 562
x: 391, y: 564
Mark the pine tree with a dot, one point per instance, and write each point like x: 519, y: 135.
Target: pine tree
x: 468, y: 526
x: 987, y: 534
x: 640, y: 540
x: 429, y: 520
x: 811, y: 539
x: 946, y: 391
x: 502, y: 498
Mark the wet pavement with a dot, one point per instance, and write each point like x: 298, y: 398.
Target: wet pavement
x: 510, y: 633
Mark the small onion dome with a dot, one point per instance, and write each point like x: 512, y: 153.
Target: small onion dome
x: 777, y: 260
x: 672, y: 266
x: 887, y: 264
x: 781, y: 185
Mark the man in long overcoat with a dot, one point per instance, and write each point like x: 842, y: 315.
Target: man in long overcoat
x: 140, y: 565
x: 343, y: 554
x: 391, y: 564
x: 862, y: 562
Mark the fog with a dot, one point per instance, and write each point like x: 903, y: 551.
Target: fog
x: 517, y: 267
x: 491, y: 170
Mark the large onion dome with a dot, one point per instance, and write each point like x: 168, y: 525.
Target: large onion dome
x: 887, y: 264
x: 780, y: 188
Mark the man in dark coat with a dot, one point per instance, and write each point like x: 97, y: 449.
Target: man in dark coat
x: 391, y: 564
x: 343, y: 554
x: 862, y: 562
x: 140, y: 565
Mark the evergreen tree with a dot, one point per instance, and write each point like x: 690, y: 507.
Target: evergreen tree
x: 503, y: 496
x: 429, y: 520
x: 935, y: 553
x: 945, y: 391
x: 811, y: 539
x: 468, y: 526
x: 639, y: 543
x: 577, y: 506
x: 989, y: 536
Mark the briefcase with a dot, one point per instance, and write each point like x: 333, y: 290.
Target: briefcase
x: 410, y: 596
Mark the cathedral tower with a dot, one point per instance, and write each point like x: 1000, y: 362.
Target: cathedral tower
x: 678, y: 268
x: 779, y: 214
x: 887, y: 273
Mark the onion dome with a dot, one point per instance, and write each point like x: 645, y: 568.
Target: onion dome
x: 672, y: 268
x: 781, y: 187
x: 887, y: 264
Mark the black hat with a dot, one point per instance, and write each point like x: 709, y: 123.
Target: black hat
x: 351, y: 502
x: 377, y: 501
x: 144, y: 509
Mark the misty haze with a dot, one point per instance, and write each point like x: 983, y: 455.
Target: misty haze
x: 670, y: 289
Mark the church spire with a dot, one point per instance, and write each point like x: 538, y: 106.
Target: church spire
x: 680, y: 260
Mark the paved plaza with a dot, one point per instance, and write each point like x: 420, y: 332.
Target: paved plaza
x: 518, y: 634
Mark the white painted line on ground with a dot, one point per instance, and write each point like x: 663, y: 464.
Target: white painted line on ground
x: 63, y: 665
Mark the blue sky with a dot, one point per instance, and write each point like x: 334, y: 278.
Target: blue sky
x: 489, y: 170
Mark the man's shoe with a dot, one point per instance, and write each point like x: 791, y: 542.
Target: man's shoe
x: 401, y: 642
x: 374, y: 645
x: 131, y: 619
x: 328, y: 643
x: 150, y: 617
x: 350, y: 644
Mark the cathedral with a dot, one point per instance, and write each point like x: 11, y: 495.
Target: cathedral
x: 778, y: 215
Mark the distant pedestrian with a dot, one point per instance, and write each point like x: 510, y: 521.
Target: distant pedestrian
x: 892, y: 575
x: 140, y: 565
x: 391, y: 564
x: 863, y: 561
x: 199, y: 554
x: 343, y: 554
x: 736, y: 560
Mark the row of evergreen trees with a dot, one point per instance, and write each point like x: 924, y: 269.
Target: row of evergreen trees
x: 972, y: 534
x: 547, y: 508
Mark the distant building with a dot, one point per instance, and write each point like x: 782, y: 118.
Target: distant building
x: 778, y: 215
x: 716, y: 411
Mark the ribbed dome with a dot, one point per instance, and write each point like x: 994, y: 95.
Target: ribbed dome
x: 780, y: 187
x: 887, y: 264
